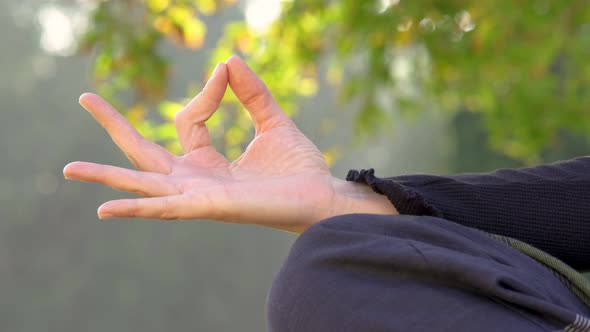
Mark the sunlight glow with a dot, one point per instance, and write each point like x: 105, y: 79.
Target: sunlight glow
x: 59, y: 28
x: 260, y: 14
x: 464, y: 21
x: 57, y: 36
x: 408, y: 67
x: 427, y: 24
x: 405, y: 25
x: 401, y: 68
x: 386, y: 4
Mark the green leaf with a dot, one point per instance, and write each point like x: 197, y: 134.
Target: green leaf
x: 169, y: 109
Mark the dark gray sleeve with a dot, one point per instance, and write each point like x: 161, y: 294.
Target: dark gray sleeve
x: 547, y: 206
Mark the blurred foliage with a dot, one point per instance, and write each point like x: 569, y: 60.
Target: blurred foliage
x: 521, y: 64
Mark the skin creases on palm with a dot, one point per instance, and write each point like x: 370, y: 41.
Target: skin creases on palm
x: 281, y: 179
x: 282, y: 150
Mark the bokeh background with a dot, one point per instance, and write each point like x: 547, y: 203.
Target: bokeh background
x: 400, y: 86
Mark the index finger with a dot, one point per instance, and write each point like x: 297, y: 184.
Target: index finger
x: 144, y: 154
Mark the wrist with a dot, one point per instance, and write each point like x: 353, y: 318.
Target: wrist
x: 352, y: 197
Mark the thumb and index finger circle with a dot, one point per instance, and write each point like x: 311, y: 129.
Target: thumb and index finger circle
x: 248, y: 88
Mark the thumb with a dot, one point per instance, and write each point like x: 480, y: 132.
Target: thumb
x: 254, y: 95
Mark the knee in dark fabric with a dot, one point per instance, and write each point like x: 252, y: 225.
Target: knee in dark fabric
x: 384, y: 274
x: 325, y: 274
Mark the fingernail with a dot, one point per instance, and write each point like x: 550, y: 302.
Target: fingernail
x: 81, y: 99
x: 105, y: 216
x: 233, y: 57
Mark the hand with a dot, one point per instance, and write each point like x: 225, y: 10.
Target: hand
x: 280, y: 181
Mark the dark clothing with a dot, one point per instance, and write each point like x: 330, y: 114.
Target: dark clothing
x: 546, y: 206
x: 371, y: 273
x: 437, y: 270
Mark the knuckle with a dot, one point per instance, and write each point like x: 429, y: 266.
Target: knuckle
x: 259, y: 97
x: 134, y: 210
x: 168, y: 212
x: 255, y: 100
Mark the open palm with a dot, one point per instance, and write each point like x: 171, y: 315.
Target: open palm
x: 281, y: 180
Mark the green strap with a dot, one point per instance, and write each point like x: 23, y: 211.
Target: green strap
x: 570, y: 277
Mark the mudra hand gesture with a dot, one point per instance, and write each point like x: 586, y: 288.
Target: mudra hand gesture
x: 280, y: 181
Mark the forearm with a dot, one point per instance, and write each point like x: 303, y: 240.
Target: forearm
x: 547, y: 206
